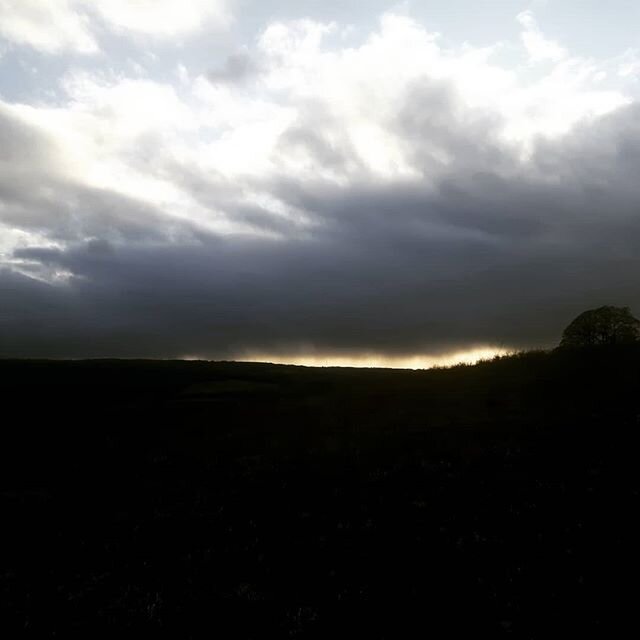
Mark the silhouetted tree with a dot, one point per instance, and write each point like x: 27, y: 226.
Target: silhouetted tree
x: 605, y: 325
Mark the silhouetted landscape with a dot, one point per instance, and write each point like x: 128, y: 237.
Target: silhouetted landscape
x: 187, y: 499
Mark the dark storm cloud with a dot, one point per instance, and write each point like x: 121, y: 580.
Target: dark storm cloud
x: 484, y: 249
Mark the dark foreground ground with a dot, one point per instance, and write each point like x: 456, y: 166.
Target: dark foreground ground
x: 187, y: 500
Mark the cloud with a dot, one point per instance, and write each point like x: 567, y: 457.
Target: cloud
x: 629, y: 64
x: 51, y: 26
x: 397, y: 197
x: 59, y: 26
x: 539, y: 48
x: 238, y: 67
x: 163, y: 18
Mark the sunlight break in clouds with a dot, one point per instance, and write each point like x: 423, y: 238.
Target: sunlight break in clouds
x: 472, y: 356
x: 372, y: 196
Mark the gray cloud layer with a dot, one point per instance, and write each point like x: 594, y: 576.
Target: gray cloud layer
x: 483, y: 249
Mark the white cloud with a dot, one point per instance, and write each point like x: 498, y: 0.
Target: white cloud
x: 50, y: 26
x: 629, y: 64
x: 163, y: 18
x: 539, y: 48
x: 56, y: 26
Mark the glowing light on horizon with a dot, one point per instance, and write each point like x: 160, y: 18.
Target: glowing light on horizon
x: 423, y: 361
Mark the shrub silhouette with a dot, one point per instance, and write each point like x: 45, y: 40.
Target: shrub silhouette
x: 603, y: 326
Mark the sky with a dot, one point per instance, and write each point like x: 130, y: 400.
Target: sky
x: 335, y: 182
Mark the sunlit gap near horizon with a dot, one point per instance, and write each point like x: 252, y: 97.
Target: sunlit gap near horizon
x: 419, y: 361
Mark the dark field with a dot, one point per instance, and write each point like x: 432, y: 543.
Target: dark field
x: 188, y: 499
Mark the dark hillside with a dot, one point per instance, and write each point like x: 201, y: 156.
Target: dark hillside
x: 185, y: 499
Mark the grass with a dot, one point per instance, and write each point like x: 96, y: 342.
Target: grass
x: 186, y: 499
